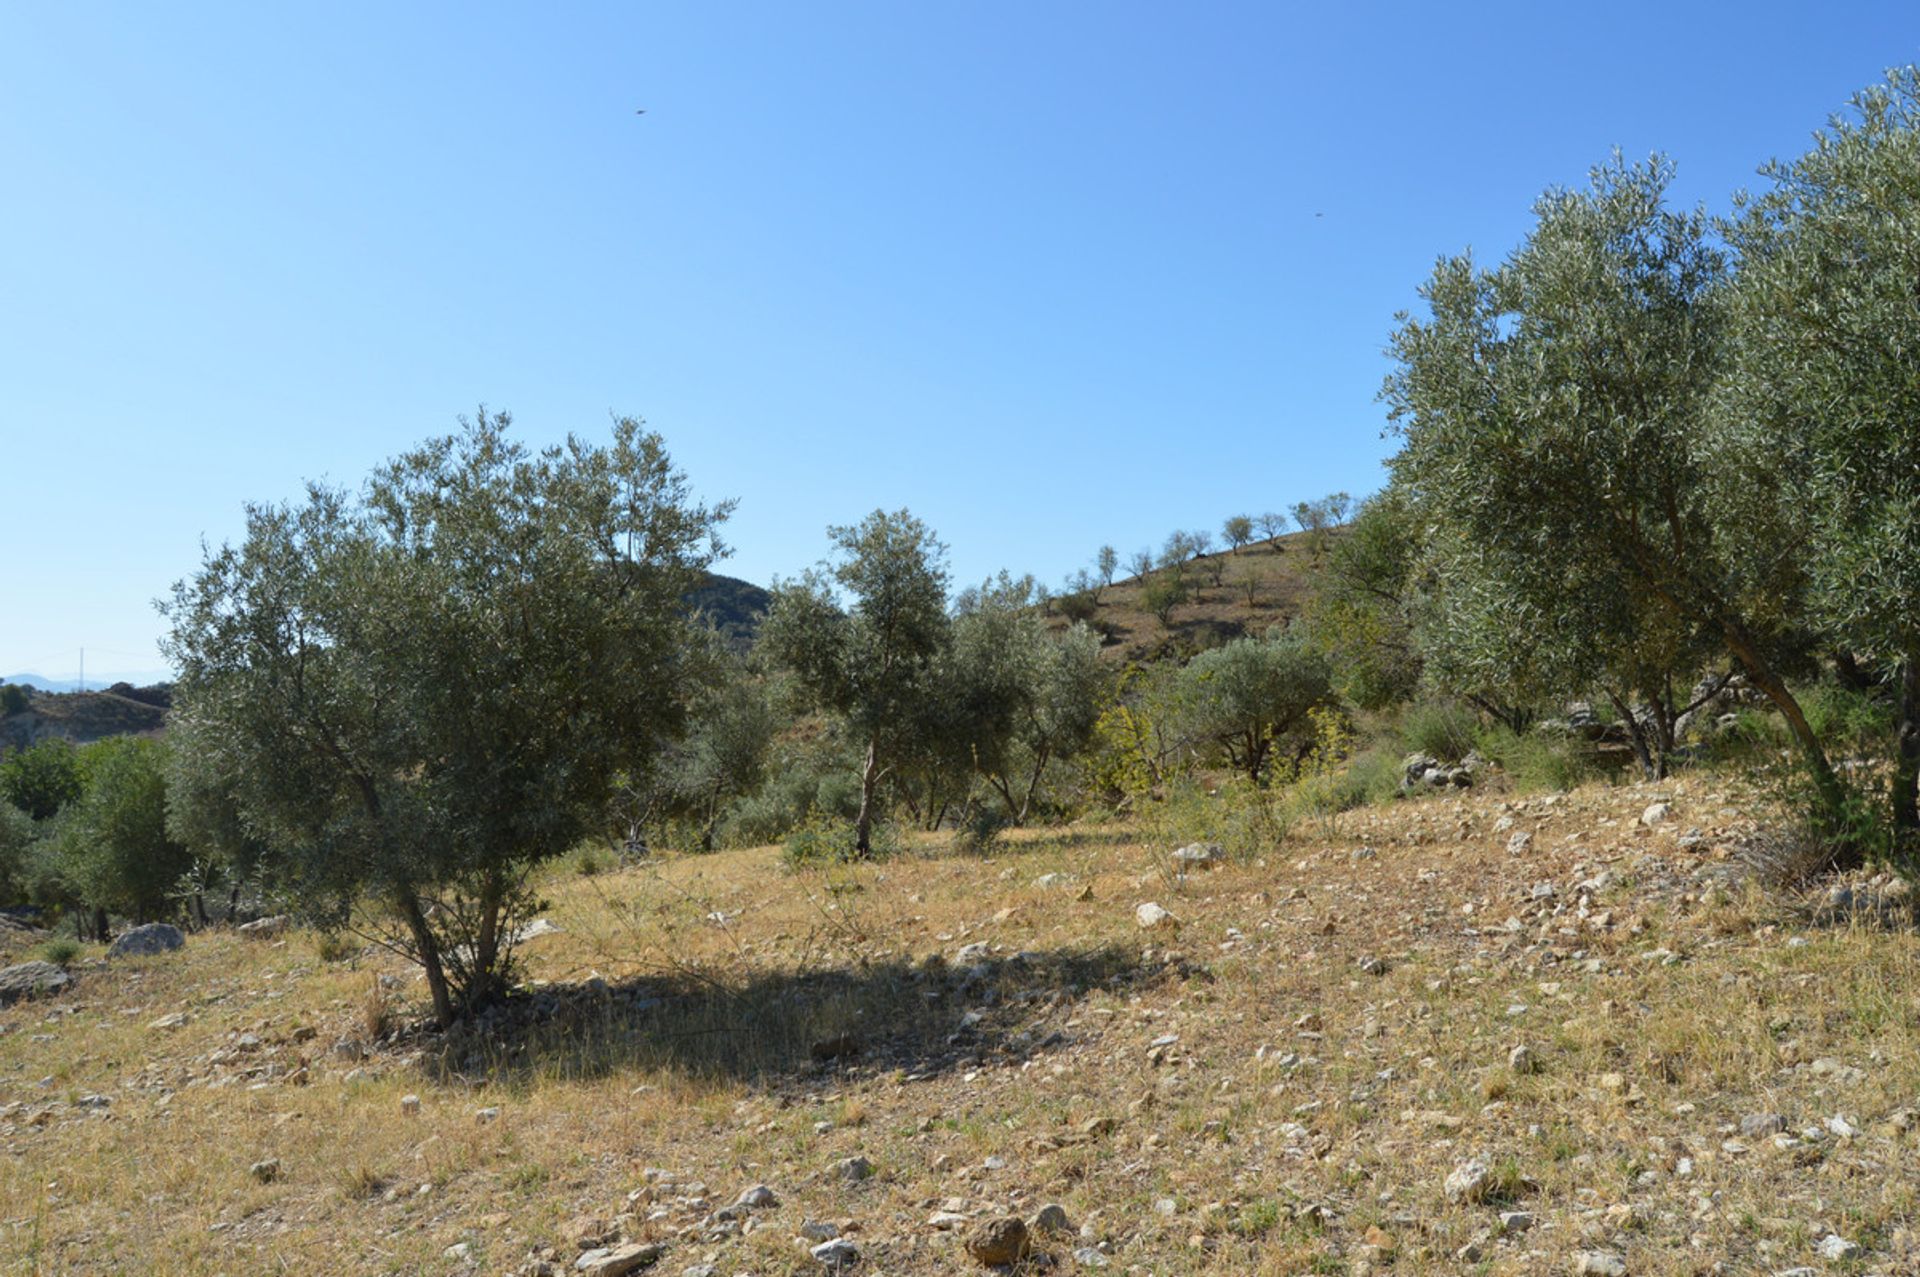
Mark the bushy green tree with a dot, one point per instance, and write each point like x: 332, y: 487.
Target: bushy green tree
x: 13, y: 698
x: 863, y: 635
x: 1552, y: 414
x: 1237, y: 530
x: 415, y: 695
x: 18, y: 833
x: 1033, y: 695
x: 113, y: 847
x: 1365, y: 610
x: 1162, y: 594
x: 724, y: 755
x: 1821, y: 405
x: 42, y: 778
x: 1252, y: 699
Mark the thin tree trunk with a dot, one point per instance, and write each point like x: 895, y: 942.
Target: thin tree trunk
x: 427, y: 950
x: 1906, y: 767
x: 1637, y: 736
x: 1831, y: 794
x: 863, y: 824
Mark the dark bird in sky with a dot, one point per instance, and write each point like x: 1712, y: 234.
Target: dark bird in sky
x: 641, y: 111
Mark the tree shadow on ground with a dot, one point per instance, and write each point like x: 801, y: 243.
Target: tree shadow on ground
x: 789, y: 1030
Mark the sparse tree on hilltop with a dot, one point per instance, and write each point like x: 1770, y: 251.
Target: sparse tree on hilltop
x: 1238, y: 530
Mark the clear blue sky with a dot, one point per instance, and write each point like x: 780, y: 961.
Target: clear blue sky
x: 1049, y: 274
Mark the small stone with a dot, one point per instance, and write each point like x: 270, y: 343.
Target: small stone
x: 1757, y: 1125
x: 853, y: 1169
x: 818, y: 1230
x: 1468, y: 1182
x: 264, y: 928
x: 458, y: 1251
x: 1371, y: 965
x: 1599, y: 1263
x: 618, y: 1261
x: 999, y: 1241
x: 1835, y: 1248
x: 836, y: 1254
x: 840, y: 1047
x: 486, y: 1115
x: 759, y: 1197
x: 410, y: 1105
x: 1515, y: 1221
x: 1520, y: 843
x: 1522, y: 1060
x: 1200, y: 855
x: 1655, y: 814
x: 265, y: 1171
x: 1089, y: 1257
x: 1151, y: 917
x: 1051, y: 1218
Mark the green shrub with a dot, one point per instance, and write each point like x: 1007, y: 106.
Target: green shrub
x: 60, y: 950
x: 334, y: 946
x: 979, y: 831
x: 1077, y: 607
x: 1445, y: 729
x: 827, y: 840
x: 1244, y: 819
x: 1535, y: 762
x: 1848, y: 721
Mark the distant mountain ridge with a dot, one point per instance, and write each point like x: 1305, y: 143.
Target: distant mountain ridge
x: 95, y: 683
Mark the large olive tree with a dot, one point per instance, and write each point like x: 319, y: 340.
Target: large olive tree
x: 1822, y: 401
x: 414, y: 694
x: 1553, y: 413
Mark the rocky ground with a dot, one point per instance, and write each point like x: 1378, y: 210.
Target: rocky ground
x: 1466, y: 1033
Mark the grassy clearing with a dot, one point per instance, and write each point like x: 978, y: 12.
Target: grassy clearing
x: 1245, y: 1096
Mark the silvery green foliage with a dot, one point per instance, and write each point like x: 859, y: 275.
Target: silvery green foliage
x: 413, y: 693
x: 1553, y: 417
x: 1251, y: 700
x: 1822, y: 400
x: 863, y: 636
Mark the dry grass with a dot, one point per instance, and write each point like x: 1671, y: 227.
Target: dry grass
x: 1303, y: 1118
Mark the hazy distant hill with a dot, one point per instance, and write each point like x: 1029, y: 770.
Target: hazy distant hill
x: 39, y: 682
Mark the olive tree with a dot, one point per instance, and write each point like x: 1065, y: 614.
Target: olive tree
x: 1105, y: 563
x: 42, y: 778
x: 1552, y: 413
x: 863, y: 634
x: 114, y: 851
x: 1237, y: 531
x: 1035, y: 695
x: 1822, y: 401
x: 417, y: 693
x: 1253, y: 697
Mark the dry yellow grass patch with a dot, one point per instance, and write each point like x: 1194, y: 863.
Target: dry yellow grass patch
x: 1242, y: 1096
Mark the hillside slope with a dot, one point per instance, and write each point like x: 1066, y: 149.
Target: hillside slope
x: 84, y: 716
x: 1229, y: 594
